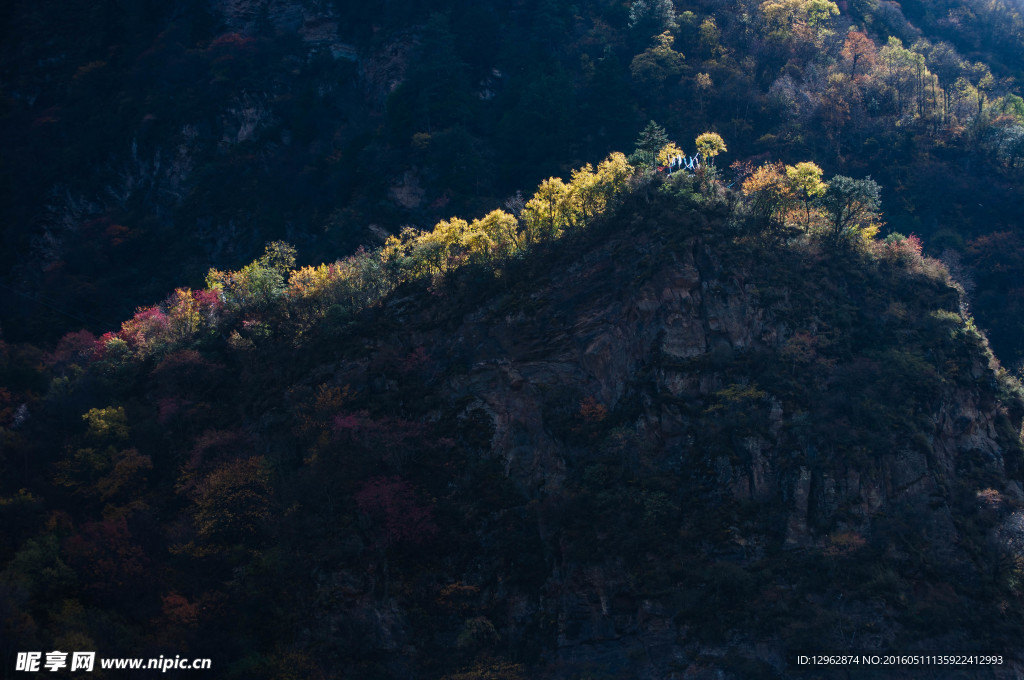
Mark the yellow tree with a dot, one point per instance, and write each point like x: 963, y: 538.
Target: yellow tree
x: 769, y: 195
x: 709, y: 145
x: 585, y: 199
x: 805, y: 181
x: 441, y: 247
x: 668, y: 152
x: 591, y: 192
x: 703, y: 84
x: 710, y: 38
x: 613, y: 175
x: 547, y: 214
x: 311, y: 291
x: 184, y: 313
x: 396, y: 254
x: 494, y: 236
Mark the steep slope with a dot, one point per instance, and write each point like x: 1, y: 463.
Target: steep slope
x: 737, y: 454
x: 652, y: 449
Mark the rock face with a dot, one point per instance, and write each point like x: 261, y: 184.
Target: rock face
x: 312, y: 21
x: 586, y: 333
x: 658, y: 331
x: 730, y: 455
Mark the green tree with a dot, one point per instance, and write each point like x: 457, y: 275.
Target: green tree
x: 710, y: 37
x: 260, y: 283
x: 648, y: 18
x: 805, y: 21
x: 906, y: 75
x: 657, y: 64
x: 651, y: 140
x: 852, y: 208
x: 1013, y: 105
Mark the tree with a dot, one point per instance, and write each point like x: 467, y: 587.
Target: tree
x: 190, y: 311
x: 859, y: 50
x: 613, y: 175
x: 230, y: 507
x: 584, y: 196
x: 658, y: 63
x: 494, y: 236
x: 667, y: 153
x: 710, y: 37
x: 803, y: 20
x: 438, y: 248
x: 769, y: 194
x: 1013, y: 105
x: 981, y: 78
x: 805, y: 180
x: 709, y: 145
x: 652, y: 139
x: 852, y: 208
x: 905, y: 73
x: 650, y: 17
x: 259, y: 283
x: 546, y: 215
x: 948, y: 66
x: 835, y: 107
x: 703, y: 84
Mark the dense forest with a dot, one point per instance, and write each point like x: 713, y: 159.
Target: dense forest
x: 146, y: 142
x: 460, y: 340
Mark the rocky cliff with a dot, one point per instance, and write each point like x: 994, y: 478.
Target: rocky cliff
x: 732, y: 454
x: 656, y: 448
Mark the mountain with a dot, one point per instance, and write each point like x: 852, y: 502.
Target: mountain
x: 657, y: 445
x: 267, y: 399
x: 146, y: 143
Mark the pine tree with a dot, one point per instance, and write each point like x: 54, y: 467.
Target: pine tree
x: 651, y: 140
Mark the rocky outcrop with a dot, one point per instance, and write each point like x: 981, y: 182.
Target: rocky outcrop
x: 315, y: 23
x: 587, y: 334
x: 661, y: 337
x: 612, y: 328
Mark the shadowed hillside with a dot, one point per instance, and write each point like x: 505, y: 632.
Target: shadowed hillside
x: 662, y: 444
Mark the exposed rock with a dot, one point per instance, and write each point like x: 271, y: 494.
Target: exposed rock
x: 315, y: 23
x: 657, y: 340
x: 408, y: 193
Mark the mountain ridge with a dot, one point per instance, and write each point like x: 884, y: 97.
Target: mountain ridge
x: 650, y: 441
